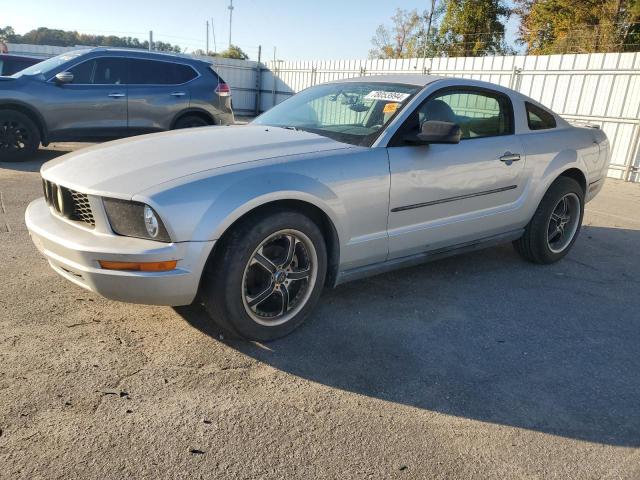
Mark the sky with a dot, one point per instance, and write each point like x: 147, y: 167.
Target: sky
x: 299, y: 30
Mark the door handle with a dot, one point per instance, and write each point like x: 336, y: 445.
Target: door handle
x: 509, y: 158
x: 117, y: 95
x: 177, y: 94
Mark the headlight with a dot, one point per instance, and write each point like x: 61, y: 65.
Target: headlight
x: 151, y: 222
x: 135, y: 219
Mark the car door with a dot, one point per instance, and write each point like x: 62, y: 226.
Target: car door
x: 448, y: 194
x: 93, y: 104
x: 157, y: 93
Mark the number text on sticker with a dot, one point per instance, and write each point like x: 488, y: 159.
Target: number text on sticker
x: 388, y: 96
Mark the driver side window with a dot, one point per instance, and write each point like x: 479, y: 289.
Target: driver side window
x: 479, y: 113
x: 100, y: 71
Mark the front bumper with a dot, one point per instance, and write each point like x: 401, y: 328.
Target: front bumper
x: 74, y: 252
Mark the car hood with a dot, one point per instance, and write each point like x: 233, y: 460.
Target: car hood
x: 126, y: 167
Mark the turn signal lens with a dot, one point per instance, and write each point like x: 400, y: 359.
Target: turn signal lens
x: 140, y: 266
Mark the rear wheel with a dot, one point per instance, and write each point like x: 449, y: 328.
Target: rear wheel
x: 267, y: 275
x: 19, y: 136
x: 190, y: 121
x: 555, y: 226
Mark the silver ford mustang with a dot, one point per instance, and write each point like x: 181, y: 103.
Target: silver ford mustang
x: 342, y: 181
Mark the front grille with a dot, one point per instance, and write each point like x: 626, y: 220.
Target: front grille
x: 68, y: 203
x: 81, y: 208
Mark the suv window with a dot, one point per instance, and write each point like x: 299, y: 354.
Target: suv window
x: 479, y: 113
x: 538, y: 118
x: 100, y: 71
x: 154, y: 72
x: 10, y: 66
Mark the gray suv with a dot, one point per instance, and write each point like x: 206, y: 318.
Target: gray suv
x: 101, y: 93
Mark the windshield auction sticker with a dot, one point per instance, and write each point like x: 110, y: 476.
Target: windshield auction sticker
x: 390, y: 107
x: 387, y: 96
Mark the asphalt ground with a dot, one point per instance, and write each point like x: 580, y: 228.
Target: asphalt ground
x: 478, y: 366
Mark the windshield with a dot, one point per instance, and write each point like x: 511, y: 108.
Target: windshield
x: 50, y: 64
x: 350, y: 112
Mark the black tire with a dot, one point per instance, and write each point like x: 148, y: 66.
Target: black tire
x: 190, y: 121
x: 224, y: 290
x: 535, y: 245
x: 19, y: 136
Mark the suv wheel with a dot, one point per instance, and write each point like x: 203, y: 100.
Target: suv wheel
x: 555, y: 226
x: 19, y: 136
x: 190, y: 121
x: 267, y: 276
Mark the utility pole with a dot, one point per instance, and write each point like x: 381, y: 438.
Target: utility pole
x: 206, y: 52
x: 213, y: 33
x: 258, y: 81
x: 230, y: 7
x: 274, y: 71
x: 150, y: 40
x: 433, y: 7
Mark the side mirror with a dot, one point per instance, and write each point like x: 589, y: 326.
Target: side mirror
x: 433, y: 131
x: 64, y: 77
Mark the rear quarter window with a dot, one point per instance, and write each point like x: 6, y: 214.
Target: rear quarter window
x: 154, y: 72
x: 538, y: 118
x: 12, y: 66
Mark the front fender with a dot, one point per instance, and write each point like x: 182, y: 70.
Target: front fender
x: 202, y: 210
x: 251, y: 192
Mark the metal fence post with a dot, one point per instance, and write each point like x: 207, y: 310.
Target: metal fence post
x: 630, y: 168
x: 513, y: 81
x: 314, y: 70
x: 274, y: 72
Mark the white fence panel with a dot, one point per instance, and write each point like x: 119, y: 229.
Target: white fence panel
x: 598, y: 88
x: 44, y: 51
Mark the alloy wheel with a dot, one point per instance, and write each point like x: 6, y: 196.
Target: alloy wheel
x: 279, y: 277
x: 13, y: 135
x: 563, y: 223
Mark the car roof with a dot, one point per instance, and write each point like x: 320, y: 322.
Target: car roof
x: 406, y: 79
x: 20, y: 56
x: 146, y: 54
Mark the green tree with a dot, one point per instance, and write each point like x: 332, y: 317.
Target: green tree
x: 403, y: 39
x: 62, y: 38
x: 234, y: 51
x: 579, y: 26
x: 7, y: 34
x: 473, y: 28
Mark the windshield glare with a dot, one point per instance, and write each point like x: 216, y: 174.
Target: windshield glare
x: 43, y: 68
x: 350, y: 112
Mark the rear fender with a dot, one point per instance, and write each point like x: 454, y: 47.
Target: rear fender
x: 563, y: 161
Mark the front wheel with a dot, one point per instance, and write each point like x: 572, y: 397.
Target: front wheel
x: 19, y: 136
x: 266, y: 275
x: 555, y: 226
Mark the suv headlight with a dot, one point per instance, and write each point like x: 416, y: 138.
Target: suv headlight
x: 135, y: 219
